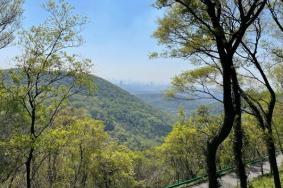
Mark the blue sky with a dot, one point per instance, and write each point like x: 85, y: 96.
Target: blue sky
x: 118, y: 39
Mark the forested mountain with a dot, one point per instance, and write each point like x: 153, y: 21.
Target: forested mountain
x: 126, y: 117
x: 155, y: 95
x: 172, y: 105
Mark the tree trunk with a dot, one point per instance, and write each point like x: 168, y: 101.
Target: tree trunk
x: 238, y: 133
x: 240, y: 166
x: 28, y: 168
x: 28, y: 162
x: 225, y: 129
x: 272, y: 159
x: 211, y: 166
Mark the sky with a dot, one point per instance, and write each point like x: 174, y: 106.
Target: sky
x: 118, y: 39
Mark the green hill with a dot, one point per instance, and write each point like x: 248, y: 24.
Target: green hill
x: 171, y: 105
x: 126, y: 117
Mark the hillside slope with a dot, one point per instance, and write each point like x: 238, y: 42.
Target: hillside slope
x: 172, y: 106
x: 127, y: 118
x: 154, y: 95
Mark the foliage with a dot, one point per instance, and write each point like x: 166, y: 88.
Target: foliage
x: 76, y: 151
x: 10, y: 18
x: 265, y: 181
x: 183, y: 153
x: 126, y: 117
x: 62, y: 127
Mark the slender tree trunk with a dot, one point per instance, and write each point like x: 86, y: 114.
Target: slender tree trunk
x: 211, y: 166
x: 272, y: 159
x: 28, y: 168
x: 238, y: 145
x: 225, y: 129
x: 238, y: 133
x: 265, y: 122
x: 28, y: 162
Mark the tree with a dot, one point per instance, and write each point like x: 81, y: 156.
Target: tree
x: 184, y: 147
x: 211, y: 30
x: 205, y: 83
x: 42, y: 69
x: 11, y: 10
x: 84, y: 154
x: 276, y: 75
x: 12, y: 141
x: 75, y: 152
x: 275, y: 8
x: 261, y: 101
x: 194, y: 84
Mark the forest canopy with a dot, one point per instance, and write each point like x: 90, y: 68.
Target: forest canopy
x: 61, y: 126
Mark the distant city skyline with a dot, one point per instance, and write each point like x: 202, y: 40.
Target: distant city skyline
x: 118, y: 40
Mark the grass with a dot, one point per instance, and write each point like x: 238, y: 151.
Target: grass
x: 265, y: 181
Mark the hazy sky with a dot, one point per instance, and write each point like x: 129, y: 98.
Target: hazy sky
x: 118, y: 39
